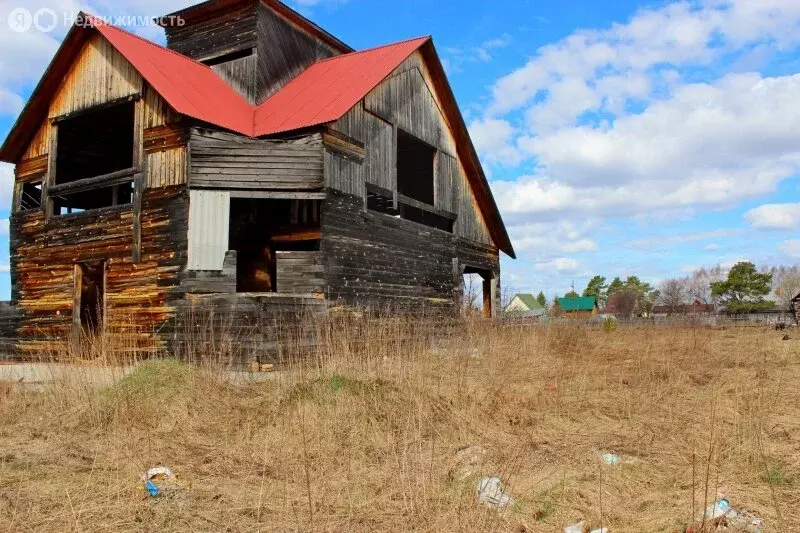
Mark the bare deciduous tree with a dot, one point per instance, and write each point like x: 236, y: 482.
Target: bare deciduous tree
x: 672, y: 293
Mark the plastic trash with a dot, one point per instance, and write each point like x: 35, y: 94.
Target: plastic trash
x: 611, y: 459
x: 157, y: 479
x: 576, y: 528
x: 492, y: 492
x: 580, y: 527
x: 717, y: 510
x: 152, y: 490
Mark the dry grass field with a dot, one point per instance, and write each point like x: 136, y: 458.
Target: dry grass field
x: 389, y: 426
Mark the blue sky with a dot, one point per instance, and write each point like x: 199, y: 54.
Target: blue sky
x: 620, y: 137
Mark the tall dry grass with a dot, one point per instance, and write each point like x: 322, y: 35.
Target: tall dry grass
x: 387, y: 424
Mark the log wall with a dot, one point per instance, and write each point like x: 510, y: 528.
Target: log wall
x: 228, y: 161
x: 381, y: 262
x: 144, y: 244
x: 43, y: 255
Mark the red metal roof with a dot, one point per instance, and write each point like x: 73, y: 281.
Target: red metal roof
x: 191, y: 88
x: 323, y: 93
x: 330, y: 88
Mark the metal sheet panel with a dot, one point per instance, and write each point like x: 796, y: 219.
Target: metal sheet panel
x: 209, y: 220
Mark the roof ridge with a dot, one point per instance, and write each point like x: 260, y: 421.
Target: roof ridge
x: 95, y: 20
x: 373, y: 48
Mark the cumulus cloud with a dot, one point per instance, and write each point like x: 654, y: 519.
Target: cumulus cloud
x: 774, y: 216
x: 546, y: 240
x: 492, y: 138
x: 612, y: 128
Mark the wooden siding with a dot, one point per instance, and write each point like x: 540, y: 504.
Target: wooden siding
x: 144, y: 244
x: 382, y: 262
x: 167, y: 168
x: 43, y: 255
x: 209, y: 220
x: 299, y: 272
x: 406, y: 99
x: 241, y: 75
x: 284, y: 51
x: 98, y: 75
x: 228, y: 161
x: 40, y: 145
x: 215, y: 36
x: 157, y: 112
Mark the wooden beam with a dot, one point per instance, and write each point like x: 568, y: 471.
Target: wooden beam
x: 278, y: 195
x: 381, y: 191
x: 161, y: 138
x: 297, y: 236
x: 487, y: 297
x: 77, y: 285
x: 138, y: 184
x: 111, y: 103
x: 32, y: 168
x: 119, y: 177
x: 425, y: 207
x: 344, y: 145
x: 50, y: 177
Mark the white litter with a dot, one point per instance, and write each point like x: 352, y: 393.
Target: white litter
x: 492, y: 492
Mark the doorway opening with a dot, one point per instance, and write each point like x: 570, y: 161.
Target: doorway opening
x: 262, y: 231
x: 89, y: 298
x: 477, y: 291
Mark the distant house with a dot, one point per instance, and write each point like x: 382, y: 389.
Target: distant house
x: 525, y: 306
x: 580, y: 307
x: 621, y: 304
x: 696, y: 308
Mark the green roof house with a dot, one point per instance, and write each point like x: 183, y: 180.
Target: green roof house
x: 525, y: 305
x: 580, y: 306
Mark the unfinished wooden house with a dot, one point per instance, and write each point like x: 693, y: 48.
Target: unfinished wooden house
x: 257, y: 162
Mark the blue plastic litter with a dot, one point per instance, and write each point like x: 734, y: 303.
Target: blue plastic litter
x: 152, y: 489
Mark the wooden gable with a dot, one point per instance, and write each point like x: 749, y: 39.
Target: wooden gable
x: 407, y: 98
x: 100, y: 75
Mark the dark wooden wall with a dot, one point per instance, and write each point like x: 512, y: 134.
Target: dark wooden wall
x: 281, y: 49
x: 300, y: 272
x: 383, y: 263
x: 378, y: 260
x: 43, y: 255
x: 228, y: 161
x: 216, y: 36
x: 284, y: 51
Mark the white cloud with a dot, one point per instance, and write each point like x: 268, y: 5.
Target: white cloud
x: 711, y: 144
x: 457, y: 56
x: 492, y: 139
x: 545, y: 241
x: 4, y: 227
x: 791, y: 248
x: 774, y: 216
x: 713, y: 247
x: 612, y: 129
x: 561, y: 264
x: 673, y: 239
x: 6, y: 185
x: 10, y: 103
